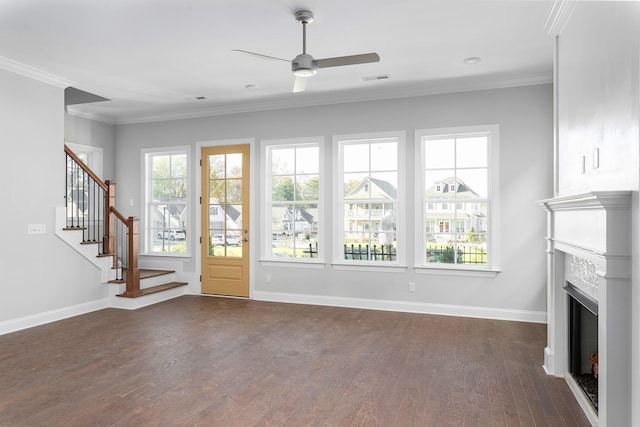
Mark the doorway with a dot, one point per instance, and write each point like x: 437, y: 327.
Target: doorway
x: 225, y: 220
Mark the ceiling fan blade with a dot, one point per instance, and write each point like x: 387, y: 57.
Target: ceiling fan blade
x: 259, y: 55
x: 300, y: 84
x: 347, y: 60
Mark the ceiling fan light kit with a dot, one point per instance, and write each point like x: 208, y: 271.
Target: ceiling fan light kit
x: 304, y: 65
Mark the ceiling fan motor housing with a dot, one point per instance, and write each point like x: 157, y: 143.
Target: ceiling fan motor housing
x: 304, y: 65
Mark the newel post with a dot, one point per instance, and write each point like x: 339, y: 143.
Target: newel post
x: 109, y: 241
x: 132, y: 274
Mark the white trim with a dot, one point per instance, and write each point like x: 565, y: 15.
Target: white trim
x: 265, y: 202
x: 559, y: 15
x: 95, y: 155
x: 338, y: 201
x: 292, y: 264
x: 253, y: 200
x: 74, y: 111
x: 144, y: 212
x: 33, y: 73
x: 405, y: 306
x: 452, y: 271
x: 147, y: 300
x: 369, y: 266
x: 30, y: 321
x: 493, y: 176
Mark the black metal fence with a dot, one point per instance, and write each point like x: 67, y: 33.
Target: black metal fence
x: 445, y: 254
x: 461, y: 255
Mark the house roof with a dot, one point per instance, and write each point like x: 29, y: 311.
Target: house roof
x: 463, y: 192
x: 386, y: 190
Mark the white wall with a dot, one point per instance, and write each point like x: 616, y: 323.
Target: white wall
x: 40, y: 274
x: 598, y: 97
x: 599, y: 107
x: 79, y: 130
x: 525, y: 118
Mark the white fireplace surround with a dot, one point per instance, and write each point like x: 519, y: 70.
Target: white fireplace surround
x: 589, y: 244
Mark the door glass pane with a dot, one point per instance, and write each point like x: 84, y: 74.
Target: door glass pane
x: 234, y: 165
x: 225, y: 205
x: 216, y: 166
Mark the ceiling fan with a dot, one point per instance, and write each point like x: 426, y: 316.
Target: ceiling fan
x: 304, y: 65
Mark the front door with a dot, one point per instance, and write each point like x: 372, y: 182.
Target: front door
x: 225, y: 220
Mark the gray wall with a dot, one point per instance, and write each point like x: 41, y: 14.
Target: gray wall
x: 79, y: 130
x: 40, y: 273
x: 524, y: 115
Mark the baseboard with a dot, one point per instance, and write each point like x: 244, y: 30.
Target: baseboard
x: 405, y: 306
x: 25, y: 322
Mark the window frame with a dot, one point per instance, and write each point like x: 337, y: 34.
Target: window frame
x: 266, y: 148
x: 339, y: 262
x: 493, y: 250
x: 145, y: 231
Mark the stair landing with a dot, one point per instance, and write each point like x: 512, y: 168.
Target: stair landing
x: 154, y: 289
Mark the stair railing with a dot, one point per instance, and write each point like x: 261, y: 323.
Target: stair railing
x: 90, y: 206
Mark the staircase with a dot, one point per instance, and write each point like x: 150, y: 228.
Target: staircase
x: 92, y: 225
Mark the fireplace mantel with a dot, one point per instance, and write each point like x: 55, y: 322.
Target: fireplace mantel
x: 591, y: 232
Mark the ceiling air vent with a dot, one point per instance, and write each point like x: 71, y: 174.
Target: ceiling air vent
x: 372, y: 78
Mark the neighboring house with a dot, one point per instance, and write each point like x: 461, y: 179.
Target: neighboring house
x: 298, y: 220
x: 449, y: 214
x: 360, y: 216
x: 166, y: 214
x: 217, y: 213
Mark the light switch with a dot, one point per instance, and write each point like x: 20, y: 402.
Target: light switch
x: 36, y: 228
x: 596, y: 158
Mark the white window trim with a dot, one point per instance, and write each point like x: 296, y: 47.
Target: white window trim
x: 95, y: 155
x: 339, y: 263
x: 493, y: 248
x: 265, y: 202
x: 144, y: 214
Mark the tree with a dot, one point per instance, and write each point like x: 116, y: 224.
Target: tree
x: 282, y: 189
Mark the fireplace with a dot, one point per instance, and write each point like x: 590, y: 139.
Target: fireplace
x: 588, y: 301
x: 583, y: 343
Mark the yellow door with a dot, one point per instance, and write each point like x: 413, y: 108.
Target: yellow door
x: 225, y: 220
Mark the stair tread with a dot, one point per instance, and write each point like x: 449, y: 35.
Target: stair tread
x: 145, y: 273
x: 154, y: 289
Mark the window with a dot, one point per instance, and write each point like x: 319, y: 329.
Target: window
x: 458, y: 159
x: 293, y: 203
x: 166, y: 202
x: 368, y: 198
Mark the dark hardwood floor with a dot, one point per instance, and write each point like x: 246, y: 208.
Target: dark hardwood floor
x: 227, y: 362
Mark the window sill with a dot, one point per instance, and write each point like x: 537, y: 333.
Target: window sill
x: 166, y: 255
x: 369, y: 267
x: 451, y: 271
x: 293, y: 263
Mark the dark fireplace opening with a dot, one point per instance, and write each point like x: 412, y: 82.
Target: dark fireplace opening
x: 583, y: 342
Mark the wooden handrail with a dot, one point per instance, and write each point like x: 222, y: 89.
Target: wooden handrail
x: 85, y: 168
x: 130, y: 269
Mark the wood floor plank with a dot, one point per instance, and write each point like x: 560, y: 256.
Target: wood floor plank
x: 227, y: 362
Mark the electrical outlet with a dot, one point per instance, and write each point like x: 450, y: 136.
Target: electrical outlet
x: 412, y: 286
x: 268, y: 278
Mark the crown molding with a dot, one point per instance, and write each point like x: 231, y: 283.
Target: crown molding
x: 73, y: 111
x: 33, y: 73
x: 391, y: 92
x: 559, y: 15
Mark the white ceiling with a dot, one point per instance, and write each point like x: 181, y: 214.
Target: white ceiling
x: 147, y: 56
